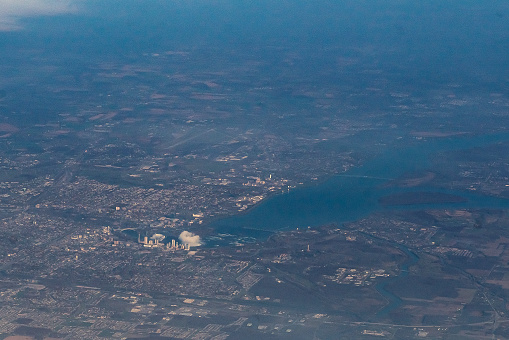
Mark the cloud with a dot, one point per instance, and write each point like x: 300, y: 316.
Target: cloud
x: 11, y: 11
x: 187, y: 237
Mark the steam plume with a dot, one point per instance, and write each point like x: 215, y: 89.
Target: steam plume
x: 187, y: 237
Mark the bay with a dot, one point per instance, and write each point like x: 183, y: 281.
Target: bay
x: 357, y: 193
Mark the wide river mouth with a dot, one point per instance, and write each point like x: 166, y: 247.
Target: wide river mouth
x: 361, y: 191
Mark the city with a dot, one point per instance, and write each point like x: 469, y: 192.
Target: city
x: 309, y: 178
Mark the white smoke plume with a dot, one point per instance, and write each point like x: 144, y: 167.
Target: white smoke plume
x: 187, y: 237
x: 13, y: 10
x: 158, y: 237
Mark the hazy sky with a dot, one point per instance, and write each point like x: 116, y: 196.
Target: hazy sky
x: 438, y: 36
x: 11, y: 11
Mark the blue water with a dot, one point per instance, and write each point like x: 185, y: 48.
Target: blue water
x: 356, y: 193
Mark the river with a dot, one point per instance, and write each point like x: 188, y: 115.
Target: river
x: 356, y: 194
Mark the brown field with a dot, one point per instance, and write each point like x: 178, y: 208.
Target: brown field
x: 6, y: 127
